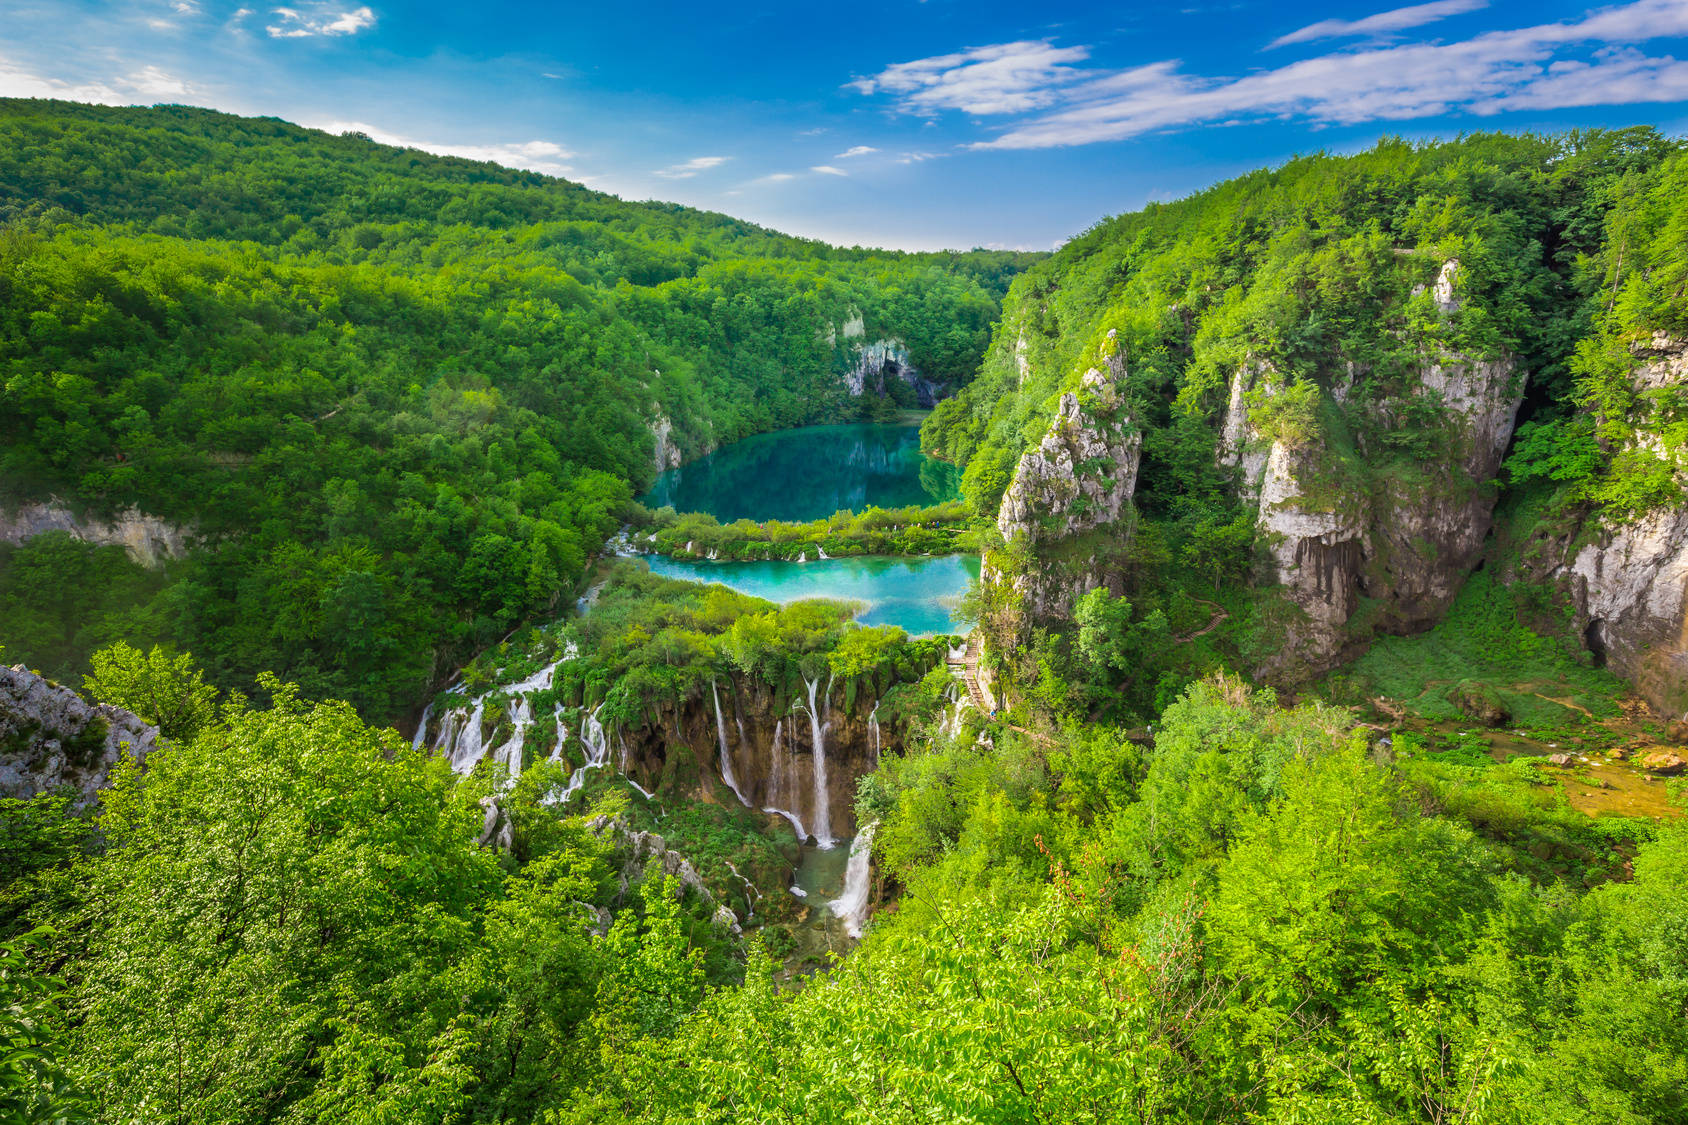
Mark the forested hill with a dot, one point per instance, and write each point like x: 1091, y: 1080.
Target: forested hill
x: 396, y: 398
x: 1298, y: 401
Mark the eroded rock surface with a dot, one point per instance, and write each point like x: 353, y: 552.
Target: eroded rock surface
x: 149, y: 540
x: 51, y: 737
x: 1630, y: 583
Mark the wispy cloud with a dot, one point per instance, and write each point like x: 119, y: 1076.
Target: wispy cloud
x: 547, y: 157
x: 321, y: 19
x: 828, y: 170
x: 858, y: 150
x: 690, y: 168
x: 1591, y: 61
x: 1005, y: 78
x: 1400, y: 19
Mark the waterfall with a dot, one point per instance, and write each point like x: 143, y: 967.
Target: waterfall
x: 852, y: 904
x: 597, y: 747
x: 802, y: 556
x: 873, y: 732
x: 820, y: 553
x: 726, y: 758
x: 752, y: 896
x: 777, y: 773
x: 422, y: 727
x: 466, y: 750
x: 823, y: 813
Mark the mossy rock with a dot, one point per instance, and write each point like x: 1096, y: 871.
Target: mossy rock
x: 1480, y: 703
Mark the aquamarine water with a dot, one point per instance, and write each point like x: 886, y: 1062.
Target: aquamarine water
x: 808, y: 474
x: 919, y: 595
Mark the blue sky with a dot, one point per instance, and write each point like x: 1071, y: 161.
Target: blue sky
x: 882, y: 122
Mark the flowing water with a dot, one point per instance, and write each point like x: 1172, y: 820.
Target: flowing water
x: 808, y: 474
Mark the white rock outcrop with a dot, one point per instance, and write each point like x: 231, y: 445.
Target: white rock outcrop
x: 1078, y: 479
x: 51, y: 737
x: 1630, y: 585
x: 149, y: 540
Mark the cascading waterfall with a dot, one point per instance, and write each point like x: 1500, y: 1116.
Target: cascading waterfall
x: 596, y: 744
x: 873, y: 732
x: 466, y: 750
x: 422, y: 727
x: 823, y: 812
x: 777, y: 783
x: 726, y: 758
x: 851, y: 906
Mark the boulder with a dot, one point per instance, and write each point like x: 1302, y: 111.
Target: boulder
x: 1559, y: 760
x: 1665, y: 763
x: 1479, y: 703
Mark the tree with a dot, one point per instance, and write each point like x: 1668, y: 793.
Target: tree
x: 162, y: 688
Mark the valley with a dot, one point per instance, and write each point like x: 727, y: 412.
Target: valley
x: 483, y: 650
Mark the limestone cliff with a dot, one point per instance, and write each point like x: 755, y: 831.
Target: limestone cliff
x: 1629, y: 582
x: 1337, y: 531
x: 50, y: 737
x: 149, y: 540
x: 1067, y: 506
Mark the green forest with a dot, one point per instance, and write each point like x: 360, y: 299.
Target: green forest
x: 396, y: 400
x: 401, y: 403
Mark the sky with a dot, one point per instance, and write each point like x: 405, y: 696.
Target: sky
x: 918, y: 124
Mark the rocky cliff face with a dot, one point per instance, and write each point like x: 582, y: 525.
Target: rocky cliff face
x: 1068, y: 501
x: 149, y: 540
x: 1403, y: 539
x: 1629, y: 585
x: 50, y: 737
x: 771, y: 760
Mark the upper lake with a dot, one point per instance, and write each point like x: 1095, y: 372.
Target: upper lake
x: 808, y: 474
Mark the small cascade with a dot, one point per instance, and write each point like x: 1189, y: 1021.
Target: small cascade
x: 823, y: 811
x: 422, y: 727
x: 873, y: 732
x: 752, y: 896
x: 466, y: 750
x: 510, y: 754
x: 820, y: 553
x: 726, y: 758
x: 778, y: 780
x: 802, y: 556
x: 643, y: 792
x: 597, y: 747
x: 851, y: 906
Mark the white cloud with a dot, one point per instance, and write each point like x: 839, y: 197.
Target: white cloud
x: 1400, y: 19
x: 155, y: 83
x: 1005, y: 78
x: 690, y: 168
x: 858, y: 150
x: 775, y: 178
x: 546, y: 157
x: 828, y: 170
x: 319, y: 19
x: 1591, y: 61
x: 147, y: 84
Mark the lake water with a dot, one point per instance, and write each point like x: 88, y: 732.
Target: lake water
x: 808, y: 474
x: 918, y: 595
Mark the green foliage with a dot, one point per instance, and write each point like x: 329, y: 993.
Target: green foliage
x: 163, y: 689
x: 940, y: 529
x: 397, y: 399
x: 34, y: 1087
x: 1501, y: 636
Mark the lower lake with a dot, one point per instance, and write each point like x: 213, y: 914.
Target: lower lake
x: 919, y: 595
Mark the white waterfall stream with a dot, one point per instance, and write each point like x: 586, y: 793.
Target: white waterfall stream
x: 726, y: 757
x: 823, y: 814
x: 777, y: 781
x: 851, y: 906
x: 422, y: 727
x: 873, y: 732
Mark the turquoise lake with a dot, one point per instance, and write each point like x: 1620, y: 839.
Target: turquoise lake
x: 808, y: 474
x: 918, y: 595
